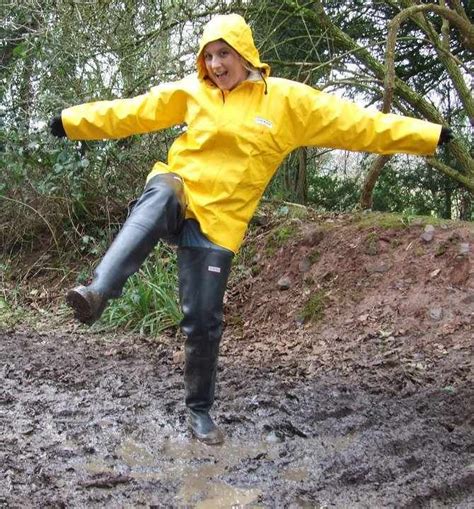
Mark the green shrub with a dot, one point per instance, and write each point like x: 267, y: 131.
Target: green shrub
x: 149, y: 303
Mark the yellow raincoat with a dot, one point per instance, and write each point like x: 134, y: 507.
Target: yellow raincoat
x: 234, y: 141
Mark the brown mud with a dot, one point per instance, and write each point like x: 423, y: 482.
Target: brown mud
x: 368, y: 403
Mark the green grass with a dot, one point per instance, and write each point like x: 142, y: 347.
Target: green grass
x: 279, y: 238
x: 371, y: 243
x: 389, y: 220
x: 8, y: 316
x: 149, y: 304
x: 313, y: 310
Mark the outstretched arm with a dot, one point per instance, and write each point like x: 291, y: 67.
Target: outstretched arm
x: 329, y: 121
x: 163, y: 106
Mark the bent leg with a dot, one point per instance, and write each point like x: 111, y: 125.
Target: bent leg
x: 158, y: 213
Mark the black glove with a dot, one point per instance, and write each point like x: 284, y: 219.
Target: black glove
x: 446, y: 136
x: 56, y: 127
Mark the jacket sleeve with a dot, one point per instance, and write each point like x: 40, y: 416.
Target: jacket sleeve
x: 163, y: 106
x: 326, y: 120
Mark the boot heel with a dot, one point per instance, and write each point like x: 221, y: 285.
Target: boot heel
x: 203, y: 428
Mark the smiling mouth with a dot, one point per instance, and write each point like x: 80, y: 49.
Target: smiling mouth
x: 221, y: 75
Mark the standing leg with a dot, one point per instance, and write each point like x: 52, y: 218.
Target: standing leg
x: 158, y: 213
x: 203, y: 275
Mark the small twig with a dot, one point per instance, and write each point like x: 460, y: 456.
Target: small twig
x: 39, y: 214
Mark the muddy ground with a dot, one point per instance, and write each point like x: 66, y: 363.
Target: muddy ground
x: 366, y: 404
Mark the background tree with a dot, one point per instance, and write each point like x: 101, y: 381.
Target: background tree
x: 58, y: 53
x: 442, y: 47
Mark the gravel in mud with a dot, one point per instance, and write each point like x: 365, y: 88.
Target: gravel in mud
x: 89, y: 421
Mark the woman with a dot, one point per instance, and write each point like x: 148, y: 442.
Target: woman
x: 241, y: 124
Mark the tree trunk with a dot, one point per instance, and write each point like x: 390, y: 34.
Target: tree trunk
x: 301, y: 186
x: 448, y: 203
x: 465, y: 206
x: 366, y: 199
x: 441, y: 45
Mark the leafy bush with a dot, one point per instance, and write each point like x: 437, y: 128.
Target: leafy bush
x: 149, y: 303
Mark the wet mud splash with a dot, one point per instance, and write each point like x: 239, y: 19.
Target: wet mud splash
x: 99, y: 422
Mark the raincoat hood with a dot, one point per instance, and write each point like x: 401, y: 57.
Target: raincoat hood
x: 233, y: 29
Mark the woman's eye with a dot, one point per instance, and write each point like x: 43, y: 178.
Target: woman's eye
x: 224, y: 53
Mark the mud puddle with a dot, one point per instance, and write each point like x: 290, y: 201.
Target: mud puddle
x: 90, y: 421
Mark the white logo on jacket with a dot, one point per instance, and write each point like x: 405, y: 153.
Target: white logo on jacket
x: 264, y: 121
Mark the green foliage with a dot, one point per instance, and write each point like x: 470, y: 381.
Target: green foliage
x: 414, y: 189
x: 49, y: 187
x: 244, y: 263
x: 60, y: 54
x: 371, y: 244
x: 10, y: 315
x: 149, y: 303
x: 390, y: 221
x: 313, y: 310
x: 11, y: 311
x: 334, y: 193
x: 245, y: 255
x: 280, y: 237
x: 385, y: 220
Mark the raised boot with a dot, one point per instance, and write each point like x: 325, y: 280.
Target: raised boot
x: 88, y: 305
x: 158, y: 214
x: 203, y: 275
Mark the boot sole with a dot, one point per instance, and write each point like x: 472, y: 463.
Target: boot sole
x: 80, y: 306
x: 217, y: 439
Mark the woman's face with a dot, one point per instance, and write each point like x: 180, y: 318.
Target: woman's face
x: 224, y: 65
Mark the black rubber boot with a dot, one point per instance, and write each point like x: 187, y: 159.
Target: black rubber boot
x: 158, y: 214
x: 203, y: 275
